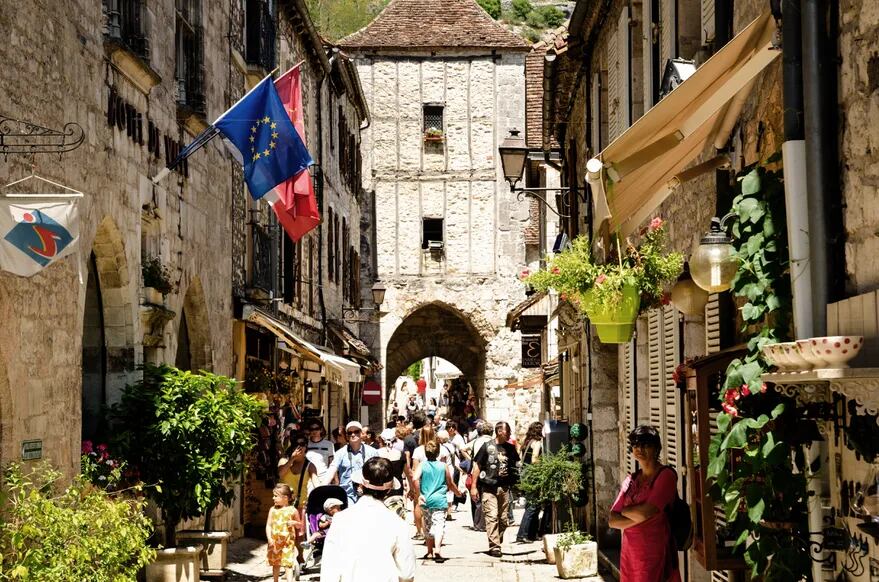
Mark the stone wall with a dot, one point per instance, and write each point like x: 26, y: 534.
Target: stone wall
x: 69, y: 80
x: 458, y: 180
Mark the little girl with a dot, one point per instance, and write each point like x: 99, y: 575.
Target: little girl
x: 281, y: 527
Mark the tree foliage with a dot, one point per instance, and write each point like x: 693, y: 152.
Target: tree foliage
x: 493, y: 7
x: 188, y: 434
x: 336, y: 19
x: 521, y: 9
x: 79, y: 533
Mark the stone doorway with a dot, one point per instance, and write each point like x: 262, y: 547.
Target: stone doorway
x: 440, y: 330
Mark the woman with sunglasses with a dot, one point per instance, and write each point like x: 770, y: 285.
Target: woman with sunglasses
x: 648, y: 553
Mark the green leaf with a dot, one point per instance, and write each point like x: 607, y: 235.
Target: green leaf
x: 755, y: 512
x: 737, y: 437
x: 751, y: 312
x: 723, y: 421
x: 751, y: 183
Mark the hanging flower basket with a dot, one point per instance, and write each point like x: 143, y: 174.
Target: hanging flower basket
x: 615, y: 325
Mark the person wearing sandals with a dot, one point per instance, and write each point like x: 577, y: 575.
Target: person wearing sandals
x: 434, y: 479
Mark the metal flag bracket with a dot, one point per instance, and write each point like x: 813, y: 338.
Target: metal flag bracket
x: 25, y: 138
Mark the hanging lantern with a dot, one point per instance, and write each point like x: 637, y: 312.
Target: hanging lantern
x: 713, y: 266
x: 687, y: 296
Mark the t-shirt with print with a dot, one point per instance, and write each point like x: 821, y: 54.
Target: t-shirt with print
x: 320, y: 454
x: 506, y: 460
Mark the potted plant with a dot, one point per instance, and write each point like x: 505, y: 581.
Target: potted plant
x: 612, y: 294
x: 555, y: 478
x: 156, y: 280
x: 433, y: 134
x: 576, y: 555
x: 187, y: 433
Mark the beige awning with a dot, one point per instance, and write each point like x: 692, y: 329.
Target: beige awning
x: 641, y: 167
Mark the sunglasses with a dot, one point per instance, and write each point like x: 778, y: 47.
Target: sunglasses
x: 311, y: 428
x: 353, y: 432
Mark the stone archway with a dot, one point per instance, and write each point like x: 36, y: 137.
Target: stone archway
x: 195, y: 329
x: 117, y: 306
x: 438, y: 329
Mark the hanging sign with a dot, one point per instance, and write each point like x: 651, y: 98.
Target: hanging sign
x: 531, y: 351
x: 372, y: 393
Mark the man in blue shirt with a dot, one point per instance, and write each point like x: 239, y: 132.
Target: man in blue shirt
x: 348, y: 461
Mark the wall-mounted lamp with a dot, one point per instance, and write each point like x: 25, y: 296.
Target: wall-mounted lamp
x: 714, y: 264
x: 514, y: 153
x: 378, y: 297
x: 687, y: 296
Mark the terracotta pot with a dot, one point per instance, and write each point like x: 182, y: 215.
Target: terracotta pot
x: 174, y: 565
x: 214, y: 548
x: 577, y: 561
x: 616, y: 326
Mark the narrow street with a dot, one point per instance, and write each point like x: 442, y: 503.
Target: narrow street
x: 464, y: 550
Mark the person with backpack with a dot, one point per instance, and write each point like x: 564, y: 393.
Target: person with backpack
x: 642, y: 511
x: 494, y: 475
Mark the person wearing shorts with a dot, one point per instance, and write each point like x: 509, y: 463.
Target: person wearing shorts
x: 434, y: 480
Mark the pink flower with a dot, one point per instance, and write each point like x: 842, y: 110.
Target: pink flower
x: 101, y: 448
x: 731, y: 396
x: 763, y: 387
x: 746, y: 391
x: 729, y: 409
x: 666, y: 299
x: 656, y: 223
x: 524, y: 274
x: 600, y: 279
x: 87, y: 447
x: 555, y: 270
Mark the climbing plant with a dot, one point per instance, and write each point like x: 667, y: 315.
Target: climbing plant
x: 751, y: 470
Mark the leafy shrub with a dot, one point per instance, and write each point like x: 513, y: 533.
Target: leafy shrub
x: 531, y: 34
x: 521, y: 9
x: 554, y: 478
x: 156, y: 275
x: 552, y: 16
x: 535, y: 19
x: 102, y: 470
x: 188, y: 433
x: 79, y: 533
x: 493, y: 7
x: 572, y: 538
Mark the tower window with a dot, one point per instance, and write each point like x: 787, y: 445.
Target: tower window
x: 432, y: 233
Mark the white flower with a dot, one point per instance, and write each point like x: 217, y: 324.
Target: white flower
x: 102, y: 478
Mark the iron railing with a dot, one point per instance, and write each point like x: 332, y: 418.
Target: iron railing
x: 263, y: 266
x: 259, y: 35
x: 126, y: 26
x: 190, y: 67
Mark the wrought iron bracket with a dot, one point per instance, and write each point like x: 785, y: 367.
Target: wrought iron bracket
x: 24, y: 138
x: 535, y: 193
x: 856, y: 384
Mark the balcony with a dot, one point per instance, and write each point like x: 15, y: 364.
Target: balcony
x: 126, y: 42
x: 259, y: 35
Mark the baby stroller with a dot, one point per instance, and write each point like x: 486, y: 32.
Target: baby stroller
x: 314, y: 507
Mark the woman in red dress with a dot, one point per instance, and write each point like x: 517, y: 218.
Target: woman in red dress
x: 648, y: 553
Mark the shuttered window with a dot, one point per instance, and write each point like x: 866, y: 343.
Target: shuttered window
x: 613, y: 88
x: 630, y: 415
x: 624, y: 54
x: 664, y: 398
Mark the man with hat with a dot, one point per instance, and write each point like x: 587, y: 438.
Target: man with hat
x: 348, y: 461
x: 386, y: 554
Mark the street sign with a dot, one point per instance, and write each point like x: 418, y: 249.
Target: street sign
x: 531, y: 351
x: 372, y: 393
x: 31, y: 450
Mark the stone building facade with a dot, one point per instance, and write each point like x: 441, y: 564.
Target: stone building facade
x: 594, y: 101
x: 444, y: 84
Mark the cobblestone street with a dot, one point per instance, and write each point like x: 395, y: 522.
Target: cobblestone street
x: 465, y: 550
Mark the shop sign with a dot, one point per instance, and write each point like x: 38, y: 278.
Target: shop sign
x: 31, y: 450
x: 531, y: 351
x: 372, y: 393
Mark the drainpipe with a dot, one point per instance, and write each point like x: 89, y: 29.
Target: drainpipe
x: 795, y: 182
x: 815, y: 75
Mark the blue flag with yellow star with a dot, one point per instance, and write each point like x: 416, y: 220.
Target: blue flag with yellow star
x: 260, y: 129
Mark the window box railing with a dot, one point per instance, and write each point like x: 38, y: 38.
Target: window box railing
x: 126, y: 26
x: 433, y: 135
x: 259, y: 35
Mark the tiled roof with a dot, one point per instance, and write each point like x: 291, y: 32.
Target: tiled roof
x: 433, y: 24
x: 534, y: 96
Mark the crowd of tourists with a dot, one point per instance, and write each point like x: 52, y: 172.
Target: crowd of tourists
x: 331, y: 490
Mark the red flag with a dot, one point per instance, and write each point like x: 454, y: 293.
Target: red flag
x: 296, y: 208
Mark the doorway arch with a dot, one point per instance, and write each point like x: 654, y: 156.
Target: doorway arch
x: 438, y: 329
x: 194, y: 332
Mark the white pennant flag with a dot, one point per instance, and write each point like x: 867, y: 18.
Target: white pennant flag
x: 33, y: 235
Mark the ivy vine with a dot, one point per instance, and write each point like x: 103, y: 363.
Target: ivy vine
x: 751, y: 471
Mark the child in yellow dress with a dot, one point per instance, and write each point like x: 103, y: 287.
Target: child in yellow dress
x: 281, y: 527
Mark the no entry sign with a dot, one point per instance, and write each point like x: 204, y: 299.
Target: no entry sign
x: 372, y: 393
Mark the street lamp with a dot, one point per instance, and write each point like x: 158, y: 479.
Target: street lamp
x: 514, y: 153
x: 714, y: 263
x: 378, y: 297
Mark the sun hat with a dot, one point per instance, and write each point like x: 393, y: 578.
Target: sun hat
x: 357, y: 477
x: 331, y: 502
x: 353, y: 424
x: 388, y: 435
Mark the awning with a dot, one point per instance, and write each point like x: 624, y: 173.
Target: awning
x: 529, y: 382
x: 641, y: 167
x: 531, y: 306
x: 338, y: 370
x: 355, y: 344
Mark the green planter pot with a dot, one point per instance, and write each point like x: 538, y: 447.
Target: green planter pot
x: 616, y: 326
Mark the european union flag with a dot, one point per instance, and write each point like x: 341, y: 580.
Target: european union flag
x: 260, y: 129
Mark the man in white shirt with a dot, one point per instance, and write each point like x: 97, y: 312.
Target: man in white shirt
x: 368, y: 542
x: 320, y: 450
x: 349, y: 461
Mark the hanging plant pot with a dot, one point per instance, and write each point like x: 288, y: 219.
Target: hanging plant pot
x: 615, y: 325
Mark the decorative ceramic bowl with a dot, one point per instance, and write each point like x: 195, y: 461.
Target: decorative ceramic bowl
x: 775, y: 356
x: 790, y: 353
x: 836, y: 350
x: 813, y: 357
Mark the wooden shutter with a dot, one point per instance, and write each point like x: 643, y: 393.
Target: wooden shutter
x: 624, y: 54
x: 708, y: 21
x: 667, y: 37
x: 613, y: 88
x: 673, y: 439
x: 630, y: 416
x: 656, y: 396
x: 596, y: 113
